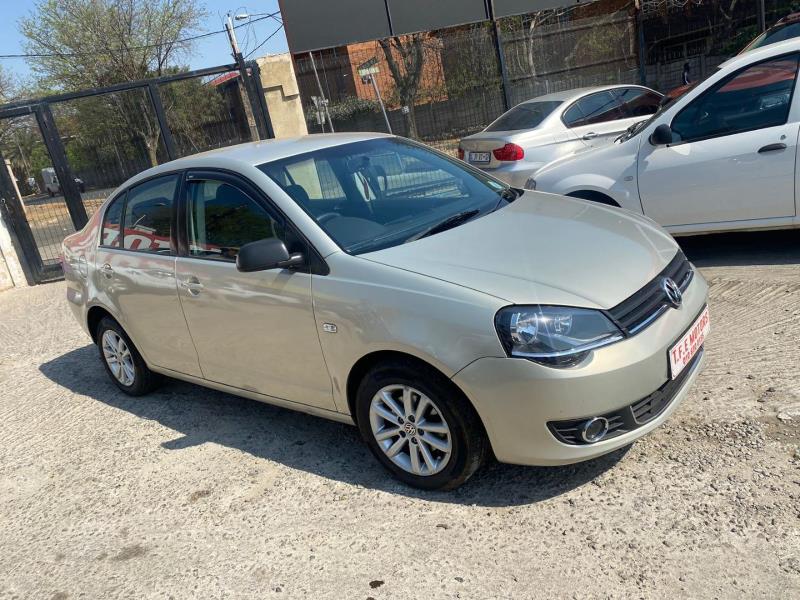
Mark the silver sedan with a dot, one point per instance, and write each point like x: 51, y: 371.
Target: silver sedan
x: 538, y: 131
x: 374, y: 281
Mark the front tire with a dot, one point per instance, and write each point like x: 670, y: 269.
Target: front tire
x: 122, y: 361
x: 420, y: 426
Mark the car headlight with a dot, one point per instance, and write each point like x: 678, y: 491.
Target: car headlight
x: 558, y: 336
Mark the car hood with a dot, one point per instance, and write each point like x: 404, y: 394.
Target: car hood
x: 545, y: 249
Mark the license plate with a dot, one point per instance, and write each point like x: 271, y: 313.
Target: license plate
x: 479, y: 157
x: 683, y: 351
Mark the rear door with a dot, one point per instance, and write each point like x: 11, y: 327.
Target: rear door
x: 253, y: 331
x: 596, y: 118
x: 135, y: 273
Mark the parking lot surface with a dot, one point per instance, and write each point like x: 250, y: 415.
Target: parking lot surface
x: 194, y: 493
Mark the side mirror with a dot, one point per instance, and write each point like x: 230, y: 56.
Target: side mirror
x: 266, y: 254
x: 662, y: 135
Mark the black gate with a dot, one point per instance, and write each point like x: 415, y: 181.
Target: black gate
x: 60, y: 156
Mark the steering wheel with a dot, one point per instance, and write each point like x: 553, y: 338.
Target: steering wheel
x: 325, y: 217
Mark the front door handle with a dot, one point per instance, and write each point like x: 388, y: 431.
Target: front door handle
x: 107, y: 271
x: 771, y: 148
x: 590, y: 136
x: 192, y: 285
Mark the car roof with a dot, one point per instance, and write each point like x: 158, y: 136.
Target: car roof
x: 763, y: 53
x: 257, y: 153
x: 574, y: 93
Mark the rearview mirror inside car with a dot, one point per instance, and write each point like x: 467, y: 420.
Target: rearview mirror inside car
x: 662, y: 135
x: 266, y: 254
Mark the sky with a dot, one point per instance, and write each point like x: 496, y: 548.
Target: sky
x: 208, y: 52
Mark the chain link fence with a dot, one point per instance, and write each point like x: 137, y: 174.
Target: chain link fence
x: 440, y: 86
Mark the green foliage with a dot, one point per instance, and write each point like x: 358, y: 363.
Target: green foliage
x: 352, y: 107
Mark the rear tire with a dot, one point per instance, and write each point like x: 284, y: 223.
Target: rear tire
x: 122, y: 361
x: 413, y: 411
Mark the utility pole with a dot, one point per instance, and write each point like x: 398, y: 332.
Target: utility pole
x: 321, y: 93
x: 263, y: 127
x: 762, y: 25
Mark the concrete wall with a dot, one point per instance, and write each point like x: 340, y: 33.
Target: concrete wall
x: 12, y: 273
x: 282, y: 95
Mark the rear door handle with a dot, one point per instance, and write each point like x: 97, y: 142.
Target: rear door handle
x: 107, y: 271
x: 771, y: 148
x: 192, y: 285
x: 590, y: 136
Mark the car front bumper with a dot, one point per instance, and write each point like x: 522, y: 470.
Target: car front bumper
x: 517, y: 398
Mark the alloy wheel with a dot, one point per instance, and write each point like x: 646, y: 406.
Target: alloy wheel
x: 118, y: 358
x: 410, y: 430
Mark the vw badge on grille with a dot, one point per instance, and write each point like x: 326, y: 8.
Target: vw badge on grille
x: 672, y: 292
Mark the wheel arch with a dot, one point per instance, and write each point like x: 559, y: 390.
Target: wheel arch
x: 594, y: 196
x: 364, y: 364
x: 94, y: 316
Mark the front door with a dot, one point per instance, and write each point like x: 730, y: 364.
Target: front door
x: 135, y: 274
x: 734, y: 155
x: 253, y: 331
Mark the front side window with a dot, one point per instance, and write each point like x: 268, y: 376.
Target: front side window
x: 527, y: 115
x: 756, y: 97
x: 148, y: 216
x: 595, y: 108
x: 112, y: 233
x: 383, y: 192
x: 637, y: 102
x: 223, y: 218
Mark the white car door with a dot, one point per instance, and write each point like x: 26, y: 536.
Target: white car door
x: 596, y: 119
x: 734, y: 154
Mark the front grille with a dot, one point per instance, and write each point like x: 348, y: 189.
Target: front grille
x: 650, y: 302
x: 630, y: 417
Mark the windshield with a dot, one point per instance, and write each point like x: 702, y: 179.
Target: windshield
x: 777, y: 33
x: 527, y: 115
x: 384, y: 192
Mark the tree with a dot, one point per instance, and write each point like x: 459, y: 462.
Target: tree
x: 406, y: 56
x: 96, y: 43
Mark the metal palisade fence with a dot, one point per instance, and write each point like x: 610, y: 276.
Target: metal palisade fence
x: 61, y: 156
x: 438, y: 86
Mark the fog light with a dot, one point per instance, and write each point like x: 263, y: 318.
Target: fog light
x: 594, y: 430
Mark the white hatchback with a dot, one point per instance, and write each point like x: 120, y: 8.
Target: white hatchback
x: 543, y: 129
x: 722, y: 157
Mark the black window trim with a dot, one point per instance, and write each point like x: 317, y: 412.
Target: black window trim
x: 124, y: 192
x: 315, y: 264
x: 575, y: 103
x: 723, y: 82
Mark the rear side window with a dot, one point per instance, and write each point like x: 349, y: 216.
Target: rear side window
x: 756, y: 97
x: 148, y: 216
x: 593, y: 109
x: 637, y: 102
x: 112, y: 234
x: 527, y: 115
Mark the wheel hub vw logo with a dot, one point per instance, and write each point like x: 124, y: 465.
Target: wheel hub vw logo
x: 672, y: 292
x: 410, y: 429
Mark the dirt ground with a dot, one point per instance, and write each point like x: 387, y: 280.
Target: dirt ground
x: 194, y: 493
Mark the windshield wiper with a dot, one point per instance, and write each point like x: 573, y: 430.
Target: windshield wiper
x: 631, y: 131
x: 508, y: 194
x: 448, y: 223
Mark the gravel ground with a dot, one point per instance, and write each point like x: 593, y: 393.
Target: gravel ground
x: 194, y: 493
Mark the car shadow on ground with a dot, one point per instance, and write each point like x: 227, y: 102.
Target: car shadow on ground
x: 779, y: 247
x: 315, y: 445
